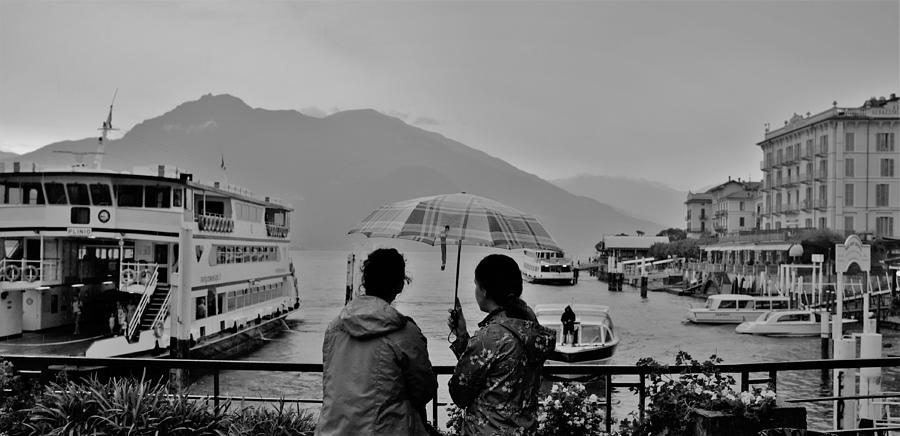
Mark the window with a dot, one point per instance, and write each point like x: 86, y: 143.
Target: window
x: 21, y: 193
x: 78, y: 194
x: 823, y: 196
x: 848, y: 194
x: 881, y: 194
x: 777, y: 225
x: 157, y: 196
x: 848, y: 223
x: 56, y: 194
x: 780, y: 156
x: 809, y: 147
x: 741, y: 206
x: 703, y: 213
x: 849, y: 141
x: 808, y: 223
x: 177, y: 196
x: 822, y: 222
x: 100, y: 195
x: 129, y: 195
x: 823, y: 144
x: 823, y: 169
x: 887, y: 168
x: 884, y: 142
x: 742, y: 222
x: 884, y: 226
x: 728, y: 304
x: 80, y: 215
x: 848, y: 167
x: 200, y: 312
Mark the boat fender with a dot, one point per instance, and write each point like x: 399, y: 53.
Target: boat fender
x: 31, y: 273
x: 11, y: 272
x: 128, y: 276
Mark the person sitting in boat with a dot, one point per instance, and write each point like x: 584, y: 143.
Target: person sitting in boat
x: 568, y: 323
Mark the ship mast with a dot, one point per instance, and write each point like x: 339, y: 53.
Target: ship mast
x: 105, y: 128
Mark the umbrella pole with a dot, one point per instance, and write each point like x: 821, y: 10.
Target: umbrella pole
x: 456, y: 288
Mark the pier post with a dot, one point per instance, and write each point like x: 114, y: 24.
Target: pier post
x: 869, y: 378
x: 644, y: 281
x: 180, y: 315
x: 826, y: 339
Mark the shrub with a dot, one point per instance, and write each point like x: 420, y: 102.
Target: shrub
x: 673, y: 398
x: 280, y: 421
x: 567, y: 409
x: 17, y: 395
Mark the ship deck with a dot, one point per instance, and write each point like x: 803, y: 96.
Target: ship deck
x: 57, y: 341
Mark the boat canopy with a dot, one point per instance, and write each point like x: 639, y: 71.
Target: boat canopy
x: 641, y: 260
x: 749, y: 247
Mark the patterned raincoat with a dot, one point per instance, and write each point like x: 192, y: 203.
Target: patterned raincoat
x: 498, y: 375
x: 377, y: 377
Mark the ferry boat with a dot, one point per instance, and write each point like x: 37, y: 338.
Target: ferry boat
x: 735, y: 308
x: 547, y: 266
x: 786, y: 323
x: 115, y: 245
x: 596, y: 336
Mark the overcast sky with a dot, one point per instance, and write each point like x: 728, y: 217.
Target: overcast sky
x: 671, y: 91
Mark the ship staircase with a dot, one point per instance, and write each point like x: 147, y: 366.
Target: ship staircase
x: 154, y: 305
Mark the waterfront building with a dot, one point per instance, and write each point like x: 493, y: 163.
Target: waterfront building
x: 836, y: 169
x: 723, y: 209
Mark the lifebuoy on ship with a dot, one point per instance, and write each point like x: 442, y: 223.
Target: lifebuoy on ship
x: 11, y: 272
x: 128, y: 276
x: 31, y: 273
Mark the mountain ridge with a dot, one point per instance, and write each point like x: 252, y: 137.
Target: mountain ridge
x: 337, y: 169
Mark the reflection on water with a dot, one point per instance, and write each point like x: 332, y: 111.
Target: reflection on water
x: 651, y: 327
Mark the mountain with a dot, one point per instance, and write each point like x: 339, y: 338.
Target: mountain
x: 641, y: 198
x: 4, y: 155
x: 337, y: 169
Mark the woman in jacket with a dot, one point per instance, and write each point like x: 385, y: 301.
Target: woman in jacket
x: 377, y: 377
x: 498, y: 374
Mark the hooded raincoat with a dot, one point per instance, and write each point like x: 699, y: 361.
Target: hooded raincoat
x: 377, y: 377
x: 498, y: 375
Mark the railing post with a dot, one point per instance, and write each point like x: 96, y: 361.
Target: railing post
x: 434, y: 408
x: 216, y: 390
x: 773, y: 380
x: 608, y: 402
x: 642, y: 395
x: 745, y: 381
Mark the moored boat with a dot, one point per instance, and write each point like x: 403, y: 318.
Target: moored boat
x: 786, y: 323
x: 548, y: 266
x: 596, y: 338
x: 96, y: 260
x: 734, y: 308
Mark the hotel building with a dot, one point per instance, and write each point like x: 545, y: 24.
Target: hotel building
x: 726, y: 208
x: 836, y: 169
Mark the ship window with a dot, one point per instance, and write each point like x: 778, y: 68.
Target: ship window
x: 157, y: 196
x: 129, y: 195
x: 100, y: 195
x: 177, y: 195
x: 201, y: 308
x: 80, y: 215
x: 56, y: 194
x: 728, y: 304
x: 78, y: 194
x: 744, y: 304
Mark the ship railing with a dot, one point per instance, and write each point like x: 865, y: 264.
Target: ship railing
x: 29, y: 271
x: 135, y: 320
x: 276, y: 231
x: 213, y: 222
x: 136, y: 274
x: 619, y: 379
x: 163, y: 311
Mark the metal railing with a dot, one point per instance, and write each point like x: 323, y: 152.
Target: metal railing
x: 213, y: 222
x: 745, y: 371
x: 135, y: 320
x: 30, y: 271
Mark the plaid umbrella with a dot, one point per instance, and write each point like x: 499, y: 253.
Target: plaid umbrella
x: 473, y: 220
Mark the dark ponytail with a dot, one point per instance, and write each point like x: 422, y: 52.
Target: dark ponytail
x: 501, y: 279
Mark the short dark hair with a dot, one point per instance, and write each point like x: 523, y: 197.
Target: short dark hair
x: 384, y: 274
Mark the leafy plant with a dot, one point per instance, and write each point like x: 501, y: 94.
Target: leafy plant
x: 568, y: 409
x: 280, y: 421
x: 672, y: 399
x: 17, y: 395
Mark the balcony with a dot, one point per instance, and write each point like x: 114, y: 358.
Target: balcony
x: 822, y: 152
x: 805, y: 205
x: 277, y: 231
x: 28, y: 274
x: 822, y: 175
x: 821, y: 204
x: 210, y: 222
x: 791, y: 208
x: 806, y: 156
x: 790, y: 181
x: 763, y: 166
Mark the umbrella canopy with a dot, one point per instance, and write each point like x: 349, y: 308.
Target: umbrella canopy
x: 473, y: 220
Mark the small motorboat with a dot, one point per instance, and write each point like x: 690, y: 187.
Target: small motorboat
x: 734, y: 308
x: 596, y: 340
x: 786, y: 323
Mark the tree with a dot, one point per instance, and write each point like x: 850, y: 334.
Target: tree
x: 639, y: 232
x: 673, y: 234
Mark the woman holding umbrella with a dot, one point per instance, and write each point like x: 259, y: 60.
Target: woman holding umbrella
x: 377, y: 377
x: 498, y: 374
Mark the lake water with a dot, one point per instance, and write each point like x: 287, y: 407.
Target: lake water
x: 651, y: 327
